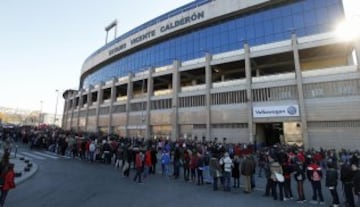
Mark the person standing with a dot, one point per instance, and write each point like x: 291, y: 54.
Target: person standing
x: 276, y: 172
x: 138, y: 166
x: 227, y: 162
x: 299, y: 176
x: 147, y: 163
x: 126, y: 161
x: 200, y: 168
x: 261, y: 163
x: 247, y: 170
x: 267, y: 173
x: 9, y: 183
x: 314, y: 174
x: 356, y: 183
x: 186, y: 165
x: 165, y: 161
x: 193, y: 166
x: 215, y: 171
x: 331, y: 183
x: 153, y: 160
x: 287, y: 170
x: 176, y: 162
x: 236, y: 171
x: 346, y: 177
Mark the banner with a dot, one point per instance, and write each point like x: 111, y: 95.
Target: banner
x: 276, y: 111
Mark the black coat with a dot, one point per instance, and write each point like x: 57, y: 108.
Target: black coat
x: 356, y: 181
x: 299, y: 174
x: 331, y: 177
x: 235, y: 172
x: 346, y: 174
x: 248, y: 167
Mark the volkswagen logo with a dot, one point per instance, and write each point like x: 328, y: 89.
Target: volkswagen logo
x: 291, y: 110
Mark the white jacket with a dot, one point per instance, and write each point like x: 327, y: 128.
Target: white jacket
x: 227, y: 162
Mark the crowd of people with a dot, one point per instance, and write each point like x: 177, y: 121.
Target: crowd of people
x: 220, y: 164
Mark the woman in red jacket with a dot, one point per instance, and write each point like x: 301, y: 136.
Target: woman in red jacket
x: 9, y: 183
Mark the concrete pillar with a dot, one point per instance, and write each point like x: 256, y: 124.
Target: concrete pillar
x: 79, y: 107
x: 65, y: 113
x: 87, y: 106
x: 257, y: 72
x: 99, y: 102
x: 299, y: 84
x: 112, y: 100
x: 357, y: 53
x: 249, y: 92
x: 72, y: 109
x: 129, y: 97
x: 208, y: 83
x: 150, y: 89
x: 175, y: 110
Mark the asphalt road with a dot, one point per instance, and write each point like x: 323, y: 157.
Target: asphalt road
x: 67, y: 182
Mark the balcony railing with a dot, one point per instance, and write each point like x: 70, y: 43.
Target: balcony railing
x: 276, y: 77
x: 329, y: 71
x: 193, y: 88
x: 229, y: 83
x: 162, y: 92
x: 162, y: 69
x: 122, y: 98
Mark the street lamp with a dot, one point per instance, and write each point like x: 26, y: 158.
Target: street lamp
x: 56, y: 104
x: 41, y: 106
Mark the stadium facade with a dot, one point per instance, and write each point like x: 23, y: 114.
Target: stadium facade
x: 249, y: 71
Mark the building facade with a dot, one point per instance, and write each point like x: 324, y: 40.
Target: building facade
x: 259, y: 71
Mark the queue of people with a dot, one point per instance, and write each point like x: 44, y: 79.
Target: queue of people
x: 219, y: 164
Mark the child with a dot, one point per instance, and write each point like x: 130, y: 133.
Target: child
x: 9, y: 183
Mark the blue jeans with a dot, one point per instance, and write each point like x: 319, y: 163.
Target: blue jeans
x: 165, y: 169
x: 227, y: 176
x: 91, y: 156
x: 215, y: 183
x: 146, y: 171
x: 206, y: 173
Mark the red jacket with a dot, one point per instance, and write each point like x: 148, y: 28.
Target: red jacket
x: 148, y: 158
x: 138, y: 160
x: 9, y: 180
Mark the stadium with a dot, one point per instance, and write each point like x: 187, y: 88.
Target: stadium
x: 249, y: 71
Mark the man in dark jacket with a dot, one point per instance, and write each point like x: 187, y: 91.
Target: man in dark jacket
x: 247, y: 170
x: 153, y: 160
x: 331, y: 182
x: 299, y: 176
x: 346, y: 177
x: 356, y: 182
x: 267, y: 176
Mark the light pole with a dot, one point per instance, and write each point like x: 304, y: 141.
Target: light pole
x: 41, y: 105
x: 56, y: 104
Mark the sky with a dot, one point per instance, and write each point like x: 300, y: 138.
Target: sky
x: 43, y: 43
